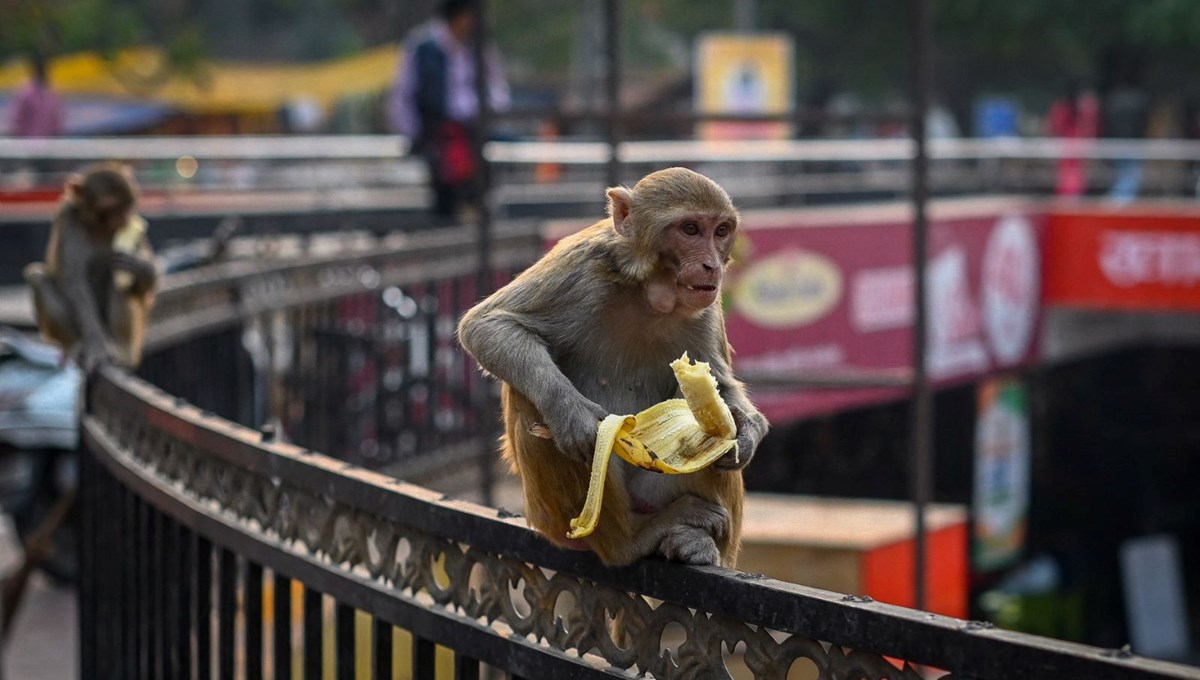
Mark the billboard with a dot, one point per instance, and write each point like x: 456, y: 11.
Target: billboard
x: 1132, y: 259
x: 831, y: 292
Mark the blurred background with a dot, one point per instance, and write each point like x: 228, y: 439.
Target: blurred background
x: 1064, y: 258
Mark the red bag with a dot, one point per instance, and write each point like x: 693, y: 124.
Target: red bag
x: 457, y: 164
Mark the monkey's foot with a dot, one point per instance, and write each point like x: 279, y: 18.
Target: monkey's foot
x: 690, y: 545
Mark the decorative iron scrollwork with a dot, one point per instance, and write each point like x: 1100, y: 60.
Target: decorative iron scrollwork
x: 603, y: 625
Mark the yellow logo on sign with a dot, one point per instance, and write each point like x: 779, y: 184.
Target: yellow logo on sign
x: 792, y: 288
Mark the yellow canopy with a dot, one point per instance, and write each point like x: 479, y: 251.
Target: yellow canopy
x: 222, y: 87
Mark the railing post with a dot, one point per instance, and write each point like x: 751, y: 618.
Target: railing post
x: 921, y: 423
x: 612, y: 53
x: 484, y: 276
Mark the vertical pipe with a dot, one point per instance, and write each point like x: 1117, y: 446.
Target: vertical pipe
x: 345, y: 646
x: 185, y: 562
x: 483, y: 274
x: 129, y: 584
x: 424, y: 658
x: 159, y: 577
x: 281, y: 637
x: 465, y: 668
x: 382, y: 649
x: 142, y: 589
x: 313, y: 628
x: 921, y: 423
x: 253, y: 608
x: 226, y: 611
x: 204, y: 554
x: 746, y: 15
x: 87, y: 510
x: 612, y: 54
x: 106, y: 528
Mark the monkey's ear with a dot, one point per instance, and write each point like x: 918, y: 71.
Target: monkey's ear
x: 74, y: 186
x: 619, y: 202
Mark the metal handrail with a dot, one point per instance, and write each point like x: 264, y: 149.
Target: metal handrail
x: 390, y: 147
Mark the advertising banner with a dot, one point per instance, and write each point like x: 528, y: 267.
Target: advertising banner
x: 835, y: 295
x: 1001, y: 498
x: 1146, y: 260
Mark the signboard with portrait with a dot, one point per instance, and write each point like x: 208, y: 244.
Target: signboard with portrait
x: 744, y: 74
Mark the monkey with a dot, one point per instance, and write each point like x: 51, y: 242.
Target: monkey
x: 94, y: 292
x: 590, y: 329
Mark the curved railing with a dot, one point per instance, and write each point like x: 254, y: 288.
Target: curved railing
x: 214, y: 549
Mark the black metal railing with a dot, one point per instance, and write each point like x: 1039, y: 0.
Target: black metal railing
x: 217, y: 549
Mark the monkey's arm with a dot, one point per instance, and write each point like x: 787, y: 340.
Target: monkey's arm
x: 141, y: 265
x: 505, y: 336
x: 76, y: 253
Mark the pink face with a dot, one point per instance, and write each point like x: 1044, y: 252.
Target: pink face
x: 695, y: 250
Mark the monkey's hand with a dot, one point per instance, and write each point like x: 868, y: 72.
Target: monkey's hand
x: 92, y: 353
x: 143, y: 270
x: 751, y: 428
x: 573, y: 426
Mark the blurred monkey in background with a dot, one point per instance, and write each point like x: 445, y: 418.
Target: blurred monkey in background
x: 93, y: 293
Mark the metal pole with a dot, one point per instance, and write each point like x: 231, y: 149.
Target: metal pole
x: 746, y: 15
x: 921, y: 424
x: 612, y: 53
x: 483, y: 280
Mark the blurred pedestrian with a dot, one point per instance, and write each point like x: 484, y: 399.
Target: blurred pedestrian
x: 37, y: 110
x: 435, y: 104
x: 1073, y: 117
x: 1126, y: 114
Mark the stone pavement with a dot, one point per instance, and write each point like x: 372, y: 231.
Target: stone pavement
x: 44, y: 641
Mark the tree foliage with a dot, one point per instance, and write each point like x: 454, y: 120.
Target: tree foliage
x: 1030, y: 48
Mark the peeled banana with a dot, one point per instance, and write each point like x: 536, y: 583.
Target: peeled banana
x: 676, y: 436
x: 127, y: 240
x: 700, y: 390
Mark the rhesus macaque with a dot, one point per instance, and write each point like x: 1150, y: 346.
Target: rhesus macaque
x: 590, y: 329
x: 93, y: 293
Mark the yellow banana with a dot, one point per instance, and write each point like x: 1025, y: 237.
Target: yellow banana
x: 699, y: 388
x: 127, y: 240
x: 669, y: 437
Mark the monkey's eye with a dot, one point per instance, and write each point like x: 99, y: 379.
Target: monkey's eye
x: 722, y: 230
x: 691, y: 228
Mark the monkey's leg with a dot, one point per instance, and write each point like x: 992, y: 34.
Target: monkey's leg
x: 54, y: 314
x: 686, y: 531
x: 127, y: 325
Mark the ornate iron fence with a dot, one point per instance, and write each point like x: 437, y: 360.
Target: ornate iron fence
x: 213, y: 549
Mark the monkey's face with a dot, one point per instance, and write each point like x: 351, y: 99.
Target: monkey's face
x: 109, y: 214
x: 696, y: 249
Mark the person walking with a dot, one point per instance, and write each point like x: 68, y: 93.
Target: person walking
x: 1074, y: 117
x: 37, y: 110
x: 435, y: 104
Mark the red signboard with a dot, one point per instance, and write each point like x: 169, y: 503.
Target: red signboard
x: 1134, y: 258
x: 831, y: 291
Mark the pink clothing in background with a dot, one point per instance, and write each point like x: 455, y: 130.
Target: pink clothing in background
x: 36, y: 112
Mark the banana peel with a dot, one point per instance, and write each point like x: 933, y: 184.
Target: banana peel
x: 677, y: 436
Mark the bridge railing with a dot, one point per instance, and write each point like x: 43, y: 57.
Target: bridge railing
x: 184, y: 175
x: 213, y: 549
